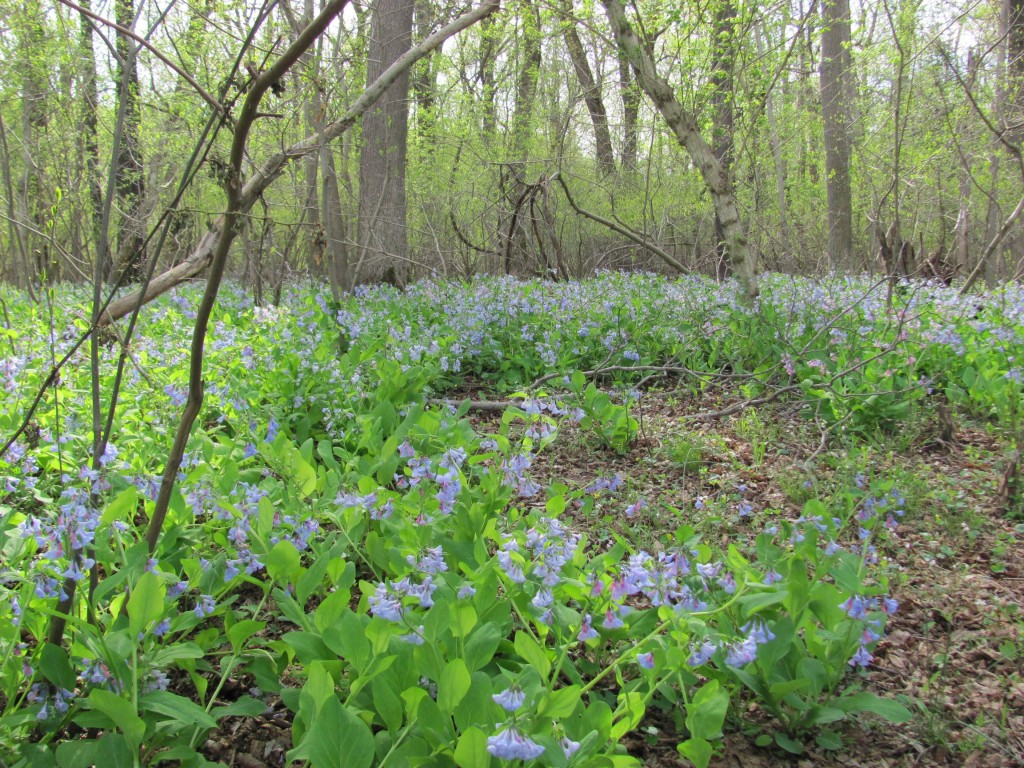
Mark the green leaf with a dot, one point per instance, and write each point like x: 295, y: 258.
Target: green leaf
x: 705, y: 713
x: 303, y: 474
x: 283, y: 562
x: 532, y: 653
x: 789, y: 744
x: 481, y: 645
x: 172, y: 654
x: 121, y: 507
x: 56, y: 667
x: 242, y: 631
x: 246, y: 706
x: 560, y: 703
x: 110, y: 751
x: 471, y: 751
x: 387, y: 701
x: 319, y: 685
x: 828, y: 740
x: 121, y: 712
x: 146, y: 604
x: 631, y: 711
x: 453, y: 685
x: 176, y: 707
x: 338, y: 738
x: 889, y: 709
x: 347, y: 638
x: 697, y: 751
x: 77, y: 754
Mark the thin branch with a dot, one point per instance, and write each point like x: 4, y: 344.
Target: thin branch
x: 152, y: 49
x: 661, y: 254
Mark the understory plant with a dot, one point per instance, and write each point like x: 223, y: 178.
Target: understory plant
x: 392, y: 579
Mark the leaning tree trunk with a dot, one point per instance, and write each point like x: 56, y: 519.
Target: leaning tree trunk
x: 684, y: 125
x: 591, y: 91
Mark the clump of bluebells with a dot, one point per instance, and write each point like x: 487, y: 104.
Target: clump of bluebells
x: 428, y: 594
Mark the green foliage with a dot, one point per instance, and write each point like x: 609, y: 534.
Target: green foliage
x: 396, y: 576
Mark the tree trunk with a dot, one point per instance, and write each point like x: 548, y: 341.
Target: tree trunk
x: 130, y: 181
x: 383, y: 238
x: 591, y: 91
x: 835, y: 72
x: 722, y: 100
x: 630, y: 115
x: 89, y: 123
x: 1013, y: 12
x: 776, y: 149
x: 513, y: 222
x: 684, y: 125
x: 34, y: 120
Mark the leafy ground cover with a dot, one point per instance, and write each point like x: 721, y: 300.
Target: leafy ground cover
x: 669, y: 529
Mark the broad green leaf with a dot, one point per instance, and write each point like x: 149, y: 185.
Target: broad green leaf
x: 705, y: 713
x: 532, y: 653
x: 347, y: 638
x: 176, y: 707
x: 246, y: 706
x: 865, y: 701
x: 560, y: 703
x: 283, y: 562
x: 788, y: 743
x: 242, y: 631
x: 56, y: 667
x: 629, y: 713
x: 337, y: 738
x: 121, y: 507
x: 387, y: 702
x: 471, y: 751
x: 481, y: 645
x: 697, y: 751
x: 121, y: 712
x: 453, y: 685
x: 146, y: 604
x: 829, y: 740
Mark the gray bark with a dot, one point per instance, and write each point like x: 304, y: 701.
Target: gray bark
x: 383, y: 239
x: 130, y: 179
x: 835, y: 109
x: 591, y: 91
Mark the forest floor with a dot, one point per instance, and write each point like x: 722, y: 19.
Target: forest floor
x: 954, y: 651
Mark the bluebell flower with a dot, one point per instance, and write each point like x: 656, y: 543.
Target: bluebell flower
x: 612, y: 620
x: 645, y: 660
x: 510, y: 699
x: 862, y: 658
x: 384, y: 604
x: 703, y: 654
x: 741, y: 653
x: 511, y: 744
x: 205, y: 606
x: 587, y: 632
